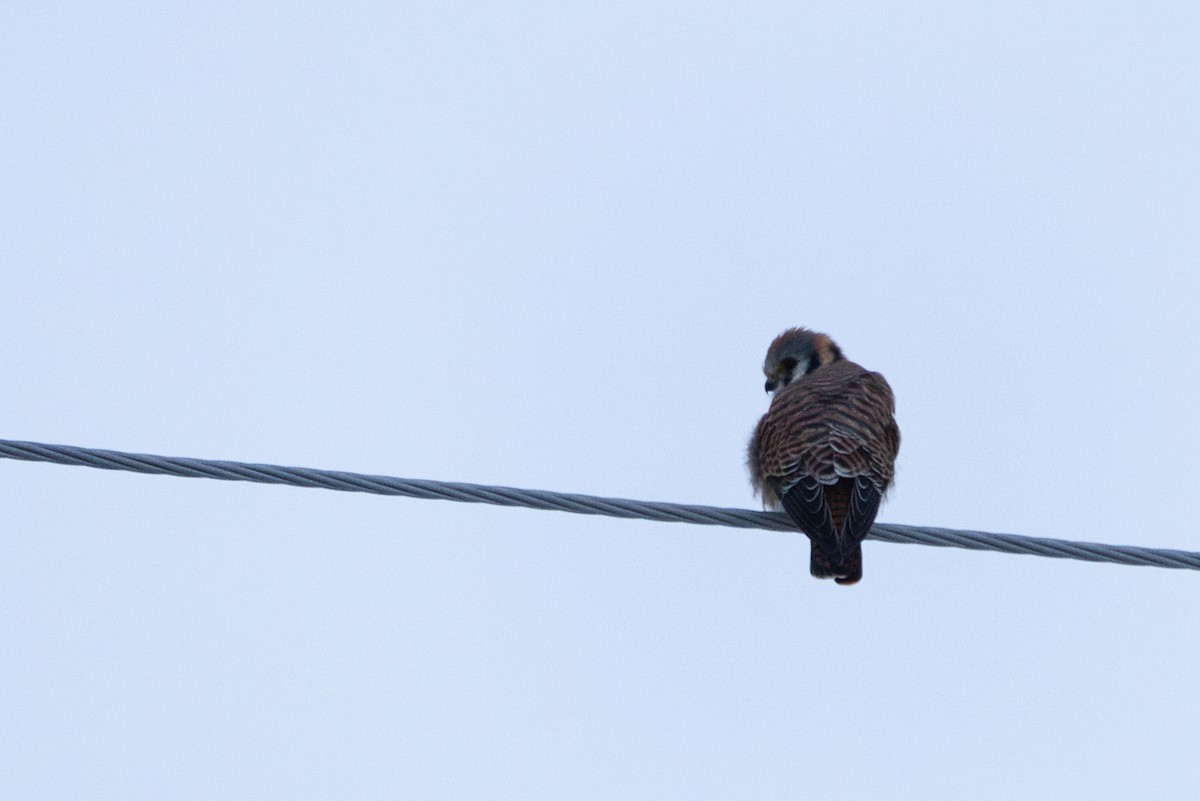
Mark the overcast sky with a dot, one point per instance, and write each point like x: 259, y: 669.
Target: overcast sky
x: 546, y: 245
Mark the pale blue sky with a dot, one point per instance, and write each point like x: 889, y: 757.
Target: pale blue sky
x: 546, y: 245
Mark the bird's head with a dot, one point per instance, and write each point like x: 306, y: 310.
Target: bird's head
x: 796, y: 352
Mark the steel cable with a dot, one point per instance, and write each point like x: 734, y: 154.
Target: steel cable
x: 578, y: 504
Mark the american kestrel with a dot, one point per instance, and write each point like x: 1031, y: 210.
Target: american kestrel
x: 826, y: 449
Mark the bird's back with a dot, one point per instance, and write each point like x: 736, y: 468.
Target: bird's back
x: 835, y: 422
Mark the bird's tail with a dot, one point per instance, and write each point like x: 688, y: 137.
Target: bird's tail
x: 826, y: 562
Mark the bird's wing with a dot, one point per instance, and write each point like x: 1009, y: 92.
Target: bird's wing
x: 834, y: 423
x: 862, y: 432
x: 805, y: 503
x: 860, y: 516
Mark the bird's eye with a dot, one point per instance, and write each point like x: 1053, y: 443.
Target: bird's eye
x: 788, y: 364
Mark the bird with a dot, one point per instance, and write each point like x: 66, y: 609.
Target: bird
x: 826, y: 449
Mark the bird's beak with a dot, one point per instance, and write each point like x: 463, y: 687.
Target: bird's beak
x: 771, y: 386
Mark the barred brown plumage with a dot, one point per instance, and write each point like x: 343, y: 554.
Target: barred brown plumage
x: 826, y: 449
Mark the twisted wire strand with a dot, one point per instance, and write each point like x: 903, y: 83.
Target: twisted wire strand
x: 578, y: 504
